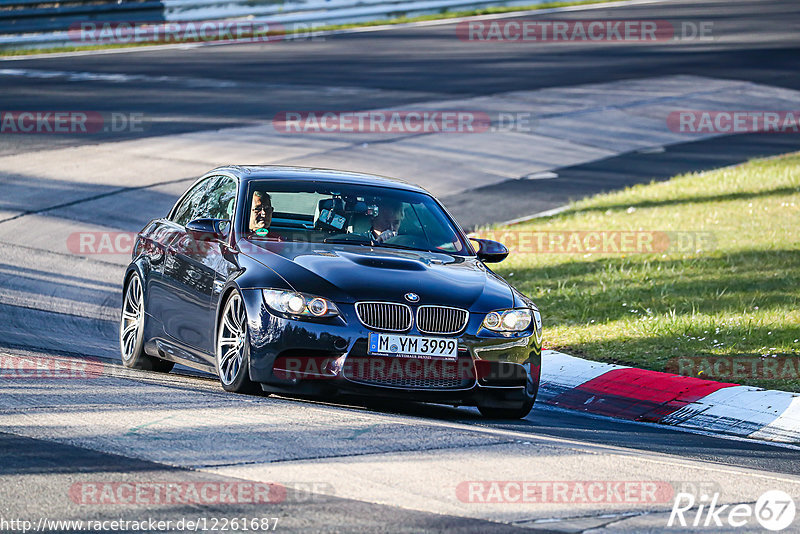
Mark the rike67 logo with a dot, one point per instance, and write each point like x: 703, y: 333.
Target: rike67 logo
x: 774, y: 510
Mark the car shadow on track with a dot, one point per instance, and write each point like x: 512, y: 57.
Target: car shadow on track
x: 565, y: 424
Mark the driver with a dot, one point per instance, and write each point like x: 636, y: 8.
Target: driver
x: 387, y: 221
x: 261, y: 213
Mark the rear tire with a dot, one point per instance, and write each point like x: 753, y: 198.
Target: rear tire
x: 507, y: 413
x: 233, y: 348
x: 131, y: 331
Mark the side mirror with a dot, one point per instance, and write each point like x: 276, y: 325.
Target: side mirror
x: 490, y: 251
x: 209, y: 229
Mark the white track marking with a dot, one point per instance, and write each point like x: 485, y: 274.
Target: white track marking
x: 75, y: 76
x: 561, y: 372
x: 330, y: 33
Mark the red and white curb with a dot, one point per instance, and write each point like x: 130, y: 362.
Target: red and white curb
x: 682, y: 401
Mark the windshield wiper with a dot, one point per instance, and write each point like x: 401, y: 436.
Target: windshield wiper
x: 376, y: 244
x: 404, y: 247
x: 341, y: 241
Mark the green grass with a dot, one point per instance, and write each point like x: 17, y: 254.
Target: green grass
x: 739, y: 297
x: 331, y: 27
x: 60, y: 50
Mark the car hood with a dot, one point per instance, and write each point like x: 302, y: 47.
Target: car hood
x: 349, y: 273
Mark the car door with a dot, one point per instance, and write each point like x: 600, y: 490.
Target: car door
x: 165, y: 301
x: 189, y: 271
x: 154, y: 241
x: 219, y: 204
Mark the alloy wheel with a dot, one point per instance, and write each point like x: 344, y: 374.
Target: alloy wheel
x: 131, y: 321
x: 231, y: 339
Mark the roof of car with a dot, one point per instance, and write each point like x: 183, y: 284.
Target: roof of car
x: 285, y: 172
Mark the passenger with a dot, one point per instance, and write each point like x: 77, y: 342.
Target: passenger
x: 387, y: 221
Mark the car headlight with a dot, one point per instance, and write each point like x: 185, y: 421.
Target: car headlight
x: 299, y: 304
x: 515, y: 320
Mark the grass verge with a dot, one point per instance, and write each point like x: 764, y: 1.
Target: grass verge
x: 329, y: 27
x: 734, y: 299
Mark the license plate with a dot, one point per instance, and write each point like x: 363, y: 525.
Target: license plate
x: 412, y: 346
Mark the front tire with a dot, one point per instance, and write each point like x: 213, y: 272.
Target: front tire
x: 131, y: 331
x: 233, y: 348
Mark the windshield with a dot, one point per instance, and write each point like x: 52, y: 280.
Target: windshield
x: 319, y: 212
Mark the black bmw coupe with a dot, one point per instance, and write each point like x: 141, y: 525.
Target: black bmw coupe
x: 311, y: 281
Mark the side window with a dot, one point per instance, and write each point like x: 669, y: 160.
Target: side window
x: 219, y: 199
x: 185, y: 211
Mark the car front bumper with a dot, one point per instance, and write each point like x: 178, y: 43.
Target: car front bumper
x: 313, y: 357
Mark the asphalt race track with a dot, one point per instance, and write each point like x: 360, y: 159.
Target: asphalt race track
x: 217, y: 87
x: 348, y: 464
